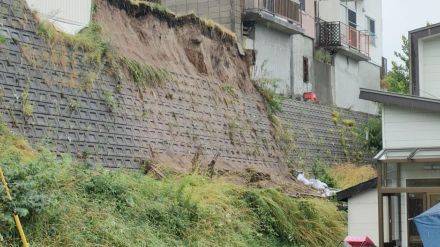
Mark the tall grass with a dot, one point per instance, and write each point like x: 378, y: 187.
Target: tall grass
x: 65, y: 203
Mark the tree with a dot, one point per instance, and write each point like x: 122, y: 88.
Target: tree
x: 397, y: 80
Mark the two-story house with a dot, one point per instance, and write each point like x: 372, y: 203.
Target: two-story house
x: 351, y: 30
x: 408, y: 167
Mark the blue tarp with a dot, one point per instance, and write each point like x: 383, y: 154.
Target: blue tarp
x: 428, y: 225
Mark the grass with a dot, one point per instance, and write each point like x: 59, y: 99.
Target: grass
x: 144, y: 75
x: 348, y: 175
x: 62, y: 202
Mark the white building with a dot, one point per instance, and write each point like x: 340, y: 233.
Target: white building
x: 409, y: 165
x: 352, y: 31
x: 67, y: 15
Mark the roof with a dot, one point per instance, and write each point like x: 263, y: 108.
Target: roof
x: 406, y: 155
x: 406, y: 101
x: 425, y: 28
x: 414, y: 37
x: 344, y: 195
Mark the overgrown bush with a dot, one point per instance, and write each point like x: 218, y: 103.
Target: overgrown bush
x: 374, y: 133
x: 322, y: 172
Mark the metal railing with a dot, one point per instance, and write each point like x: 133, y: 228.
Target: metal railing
x: 288, y: 9
x: 340, y: 34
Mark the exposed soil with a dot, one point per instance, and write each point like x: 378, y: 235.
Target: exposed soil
x: 186, y: 47
x: 176, y: 46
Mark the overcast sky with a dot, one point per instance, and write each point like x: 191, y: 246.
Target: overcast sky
x: 401, y: 16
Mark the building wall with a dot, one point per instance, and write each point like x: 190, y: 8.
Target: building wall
x: 302, y: 47
x: 225, y: 12
x: 373, y: 10
x: 405, y: 128
x: 429, y: 67
x: 363, y: 215
x: 308, y: 19
x: 351, y: 75
x: 273, y: 56
x: 70, y: 16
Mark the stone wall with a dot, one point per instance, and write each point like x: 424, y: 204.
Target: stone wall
x: 186, y: 114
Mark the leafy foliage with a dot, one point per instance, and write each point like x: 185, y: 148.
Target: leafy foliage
x: 266, y: 86
x: 397, y: 80
x: 322, y: 172
x: 374, y: 132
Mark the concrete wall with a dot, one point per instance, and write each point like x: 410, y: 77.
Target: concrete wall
x: 429, y: 67
x: 372, y: 9
x: 407, y: 128
x: 274, y: 51
x: 324, y: 83
x: 317, y: 137
x: 302, y: 46
x: 363, y: 215
x: 282, y: 56
x: 225, y: 12
x: 351, y: 75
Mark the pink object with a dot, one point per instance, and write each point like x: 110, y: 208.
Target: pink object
x: 310, y: 97
x: 359, y: 241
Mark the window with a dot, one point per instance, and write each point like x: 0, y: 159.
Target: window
x: 305, y: 69
x: 352, y: 18
x: 371, y: 26
x: 302, y: 5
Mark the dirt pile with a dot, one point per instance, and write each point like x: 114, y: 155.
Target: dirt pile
x: 178, y: 44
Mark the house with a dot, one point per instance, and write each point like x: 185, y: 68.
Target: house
x: 351, y: 30
x: 362, y: 208
x: 408, y: 167
x: 281, y: 32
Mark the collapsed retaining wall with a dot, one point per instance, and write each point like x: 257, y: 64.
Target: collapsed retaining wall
x: 188, y: 114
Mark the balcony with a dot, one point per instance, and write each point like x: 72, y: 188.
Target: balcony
x: 338, y: 36
x: 284, y: 15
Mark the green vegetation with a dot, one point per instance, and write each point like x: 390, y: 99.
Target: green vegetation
x: 145, y: 75
x: 397, y: 80
x: 373, y: 129
x: 322, y: 172
x: 74, y: 105
x: 323, y: 56
x: 110, y: 101
x: 2, y: 39
x: 348, y: 175
x: 26, y: 106
x: 266, y: 86
x: 63, y: 202
x: 88, y: 41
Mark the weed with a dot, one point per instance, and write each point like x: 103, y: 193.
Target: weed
x: 348, y: 175
x: 144, y: 75
x: 266, y: 86
x: 26, y: 106
x: 2, y: 39
x: 322, y: 172
x: 62, y: 202
x: 323, y: 56
x: 89, y: 81
x: 231, y: 90
x: 110, y: 101
x: 74, y: 105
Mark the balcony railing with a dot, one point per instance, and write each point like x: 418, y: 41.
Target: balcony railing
x: 336, y: 34
x: 287, y: 9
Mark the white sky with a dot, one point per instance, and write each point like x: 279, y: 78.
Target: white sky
x: 401, y: 16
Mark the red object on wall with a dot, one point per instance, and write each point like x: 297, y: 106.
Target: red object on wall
x: 359, y: 241
x: 310, y: 97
